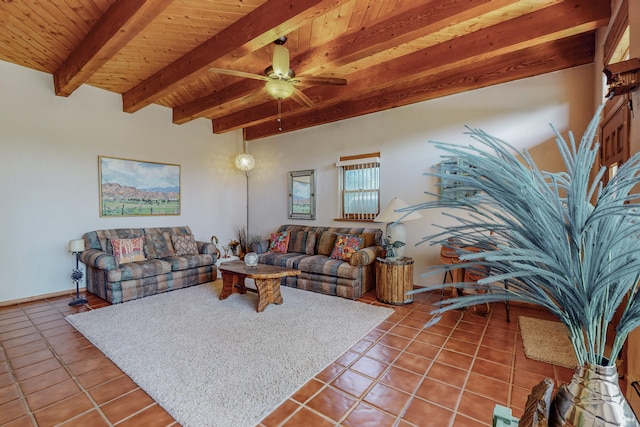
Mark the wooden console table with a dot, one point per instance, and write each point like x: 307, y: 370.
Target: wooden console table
x: 394, y: 278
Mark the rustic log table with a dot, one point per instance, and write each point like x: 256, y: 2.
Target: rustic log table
x: 266, y: 277
x: 394, y: 278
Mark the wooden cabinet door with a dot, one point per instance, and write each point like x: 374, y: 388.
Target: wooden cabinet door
x: 614, y: 135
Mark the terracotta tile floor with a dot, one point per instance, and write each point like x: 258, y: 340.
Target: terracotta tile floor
x: 452, y: 374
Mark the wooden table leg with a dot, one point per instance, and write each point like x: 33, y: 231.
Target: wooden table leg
x: 229, y: 282
x: 268, y: 292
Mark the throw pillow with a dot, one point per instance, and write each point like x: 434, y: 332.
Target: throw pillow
x: 184, y: 244
x: 279, y: 242
x: 345, y: 246
x: 128, y: 250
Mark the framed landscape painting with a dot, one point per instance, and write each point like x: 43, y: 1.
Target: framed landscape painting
x: 138, y: 188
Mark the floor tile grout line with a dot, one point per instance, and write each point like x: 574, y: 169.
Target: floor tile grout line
x: 71, y: 374
x: 413, y: 394
x: 23, y: 397
x: 376, y: 381
x: 466, y: 379
x: 359, y: 399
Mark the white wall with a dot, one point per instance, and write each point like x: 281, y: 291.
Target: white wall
x: 519, y: 112
x: 49, y: 148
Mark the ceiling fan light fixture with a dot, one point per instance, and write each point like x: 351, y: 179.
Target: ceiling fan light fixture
x: 279, y: 89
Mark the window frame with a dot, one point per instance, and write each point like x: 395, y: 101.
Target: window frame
x: 361, y: 162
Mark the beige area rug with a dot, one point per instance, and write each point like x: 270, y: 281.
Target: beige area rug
x: 220, y: 363
x: 547, y: 341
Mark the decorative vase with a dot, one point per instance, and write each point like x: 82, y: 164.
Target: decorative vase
x: 592, y: 399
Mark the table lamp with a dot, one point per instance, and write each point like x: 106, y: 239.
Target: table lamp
x: 395, y: 229
x: 76, y: 247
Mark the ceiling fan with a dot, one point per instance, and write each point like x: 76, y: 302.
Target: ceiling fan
x: 281, y: 81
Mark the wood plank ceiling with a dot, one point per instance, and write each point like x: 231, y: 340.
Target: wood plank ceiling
x: 391, y: 52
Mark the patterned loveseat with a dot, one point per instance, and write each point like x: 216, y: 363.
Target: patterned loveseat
x: 161, y: 268
x: 309, y: 251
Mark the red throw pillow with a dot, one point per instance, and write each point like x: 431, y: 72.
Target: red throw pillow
x: 128, y: 250
x: 279, y: 242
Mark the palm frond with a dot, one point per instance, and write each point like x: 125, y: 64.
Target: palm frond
x: 559, y: 240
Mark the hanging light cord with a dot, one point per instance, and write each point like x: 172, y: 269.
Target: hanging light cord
x: 279, y: 119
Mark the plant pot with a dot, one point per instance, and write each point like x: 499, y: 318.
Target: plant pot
x: 592, y: 399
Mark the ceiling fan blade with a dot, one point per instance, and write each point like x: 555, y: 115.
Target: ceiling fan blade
x: 259, y: 95
x: 239, y: 74
x: 301, y: 98
x: 314, y: 81
x: 280, y: 60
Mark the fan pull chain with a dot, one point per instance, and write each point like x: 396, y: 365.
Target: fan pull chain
x: 279, y: 119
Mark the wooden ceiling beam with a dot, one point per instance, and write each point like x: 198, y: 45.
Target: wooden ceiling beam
x: 117, y: 27
x: 552, y: 56
x: 384, y: 34
x: 388, y: 33
x: 535, y: 28
x: 220, y: 99
x: 265, y: 24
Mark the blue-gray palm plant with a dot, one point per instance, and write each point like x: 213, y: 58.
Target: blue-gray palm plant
x: 559, y: 240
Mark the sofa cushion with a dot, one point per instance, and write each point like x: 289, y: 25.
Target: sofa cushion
x: 184, y: 244
x: 326, y: 243
x: 158, y: 245
x: 128, y: 250
x: 185, y: 262
x: 138, y: 270
x: 279, y: 242
x: 288, y: 260
x: 303, y: 242
x: 323, y: 265
x: 345, y: 246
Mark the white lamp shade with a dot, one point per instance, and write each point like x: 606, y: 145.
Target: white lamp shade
x: 389, y: 213
x: 76, y: 245
x: 245, y: 162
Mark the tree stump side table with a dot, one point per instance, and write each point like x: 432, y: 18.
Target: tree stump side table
x: 394, y: 278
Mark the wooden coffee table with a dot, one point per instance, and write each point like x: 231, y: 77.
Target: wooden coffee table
x: 267, y: 278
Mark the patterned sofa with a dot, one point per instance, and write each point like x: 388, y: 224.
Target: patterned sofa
x: 162, y: 268
x: 309, y: 251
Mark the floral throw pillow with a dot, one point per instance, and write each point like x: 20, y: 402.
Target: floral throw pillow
x: 184, y: 244
x: 279, y: 242
x: 128, y: 250
x: 346, y: 245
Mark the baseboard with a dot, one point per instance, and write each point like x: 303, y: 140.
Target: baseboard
x: 40, y: 297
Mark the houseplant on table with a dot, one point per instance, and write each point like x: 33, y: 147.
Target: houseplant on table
x: 559, y: 240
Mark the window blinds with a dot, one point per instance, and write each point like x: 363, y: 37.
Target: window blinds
x: 360, y: 184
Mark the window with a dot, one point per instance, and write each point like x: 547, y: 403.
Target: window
x: 450, y: 187
x: 359, y: 187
